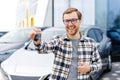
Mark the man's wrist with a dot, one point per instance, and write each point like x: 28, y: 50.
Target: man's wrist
x: 36, y: 43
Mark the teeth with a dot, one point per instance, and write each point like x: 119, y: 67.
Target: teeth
x: 71, y: 28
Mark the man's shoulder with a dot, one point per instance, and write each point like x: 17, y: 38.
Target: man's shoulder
x: 61, y: 36
x: 57, y: 36
x: 89, y: 39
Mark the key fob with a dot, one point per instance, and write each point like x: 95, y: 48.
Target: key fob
x: 37, y: 37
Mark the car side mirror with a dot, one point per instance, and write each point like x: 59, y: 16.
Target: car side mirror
x: 27, y: 44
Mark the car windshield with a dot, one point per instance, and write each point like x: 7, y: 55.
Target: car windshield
x: 15, y: 36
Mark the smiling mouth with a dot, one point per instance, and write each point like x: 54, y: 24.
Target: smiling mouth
x: 71, y: 28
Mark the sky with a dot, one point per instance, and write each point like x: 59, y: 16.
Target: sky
x: 7, y: 14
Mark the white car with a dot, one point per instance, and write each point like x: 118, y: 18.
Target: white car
x: 27, y: 64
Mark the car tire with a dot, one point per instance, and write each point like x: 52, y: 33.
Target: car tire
x: 109, y: 66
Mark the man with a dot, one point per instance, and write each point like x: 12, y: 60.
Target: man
x: 76, y: 56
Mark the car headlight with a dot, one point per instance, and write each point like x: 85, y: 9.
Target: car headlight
x: 7, y: 52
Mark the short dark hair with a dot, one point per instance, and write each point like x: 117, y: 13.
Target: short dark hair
x: 70, y: 10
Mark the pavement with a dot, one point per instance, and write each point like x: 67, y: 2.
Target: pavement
x: 114, y: 74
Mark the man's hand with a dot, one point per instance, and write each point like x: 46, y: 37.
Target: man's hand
x: 33, y: 33
x: 83, y: 68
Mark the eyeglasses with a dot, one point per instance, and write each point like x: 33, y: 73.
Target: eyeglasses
x: 73, y: 21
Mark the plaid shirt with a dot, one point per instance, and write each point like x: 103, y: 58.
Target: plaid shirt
x: 61, y: 46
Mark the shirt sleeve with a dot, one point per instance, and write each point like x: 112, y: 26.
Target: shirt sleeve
x: 96, y: 60
x: 47, y: 47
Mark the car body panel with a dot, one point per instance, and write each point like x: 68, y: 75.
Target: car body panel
x: 39, y: 64
x: 4, y: 47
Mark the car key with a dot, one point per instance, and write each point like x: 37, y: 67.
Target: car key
x: 37, y: 37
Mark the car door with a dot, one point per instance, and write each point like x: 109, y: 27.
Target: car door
x: 97, y: 35
x: 103, y: 40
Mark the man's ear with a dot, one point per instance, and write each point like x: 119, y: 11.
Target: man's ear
x: 80, y: 21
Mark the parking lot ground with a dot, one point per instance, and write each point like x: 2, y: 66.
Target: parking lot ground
x: 114, y: 74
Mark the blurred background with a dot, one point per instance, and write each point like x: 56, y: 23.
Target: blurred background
x: 40, y: 13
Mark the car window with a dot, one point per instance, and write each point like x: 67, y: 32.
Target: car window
x: 99, y: 35
x: 49, y: 34
x: 15, y: 36
x: 91, y: 34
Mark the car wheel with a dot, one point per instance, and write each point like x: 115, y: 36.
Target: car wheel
x: 109, y: 66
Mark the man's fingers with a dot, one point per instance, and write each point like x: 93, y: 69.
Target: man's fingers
x: 83, y: 68
x: 34, y: 32
x: 80, y: 63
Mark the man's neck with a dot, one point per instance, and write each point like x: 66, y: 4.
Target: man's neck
x: 76, y: 36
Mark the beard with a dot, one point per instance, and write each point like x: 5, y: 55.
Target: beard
x: 72, y: 30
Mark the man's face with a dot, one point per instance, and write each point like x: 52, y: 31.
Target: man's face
x: 72, y: 23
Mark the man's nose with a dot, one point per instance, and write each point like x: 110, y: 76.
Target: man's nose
x: 70, y: 23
